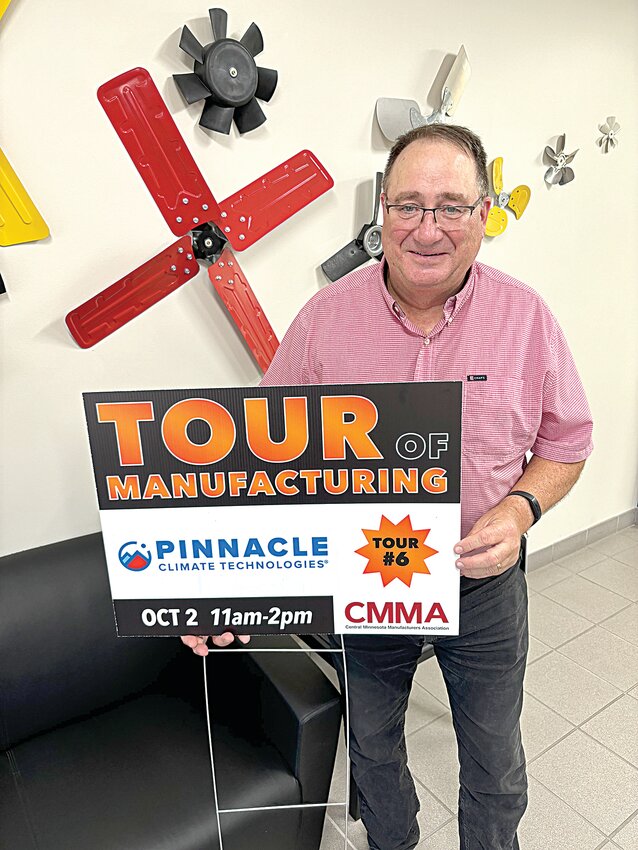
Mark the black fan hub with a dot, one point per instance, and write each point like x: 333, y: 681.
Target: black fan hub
x: 229, y: 71
x: 208, y: 242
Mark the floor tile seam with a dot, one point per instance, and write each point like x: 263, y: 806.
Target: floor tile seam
x: 570, y: 806
x: 609, y: 750
x: 574, y: 554
x: 445, y: 709
x: 553, y: 744
x: 624, y: 824
x: 621, y: 532
x: 565, y: 608
x: 600, y: 710
x: 434, y: 696
x: 428, y: 692
x: 564, y: 654
x: 594, y: 586
x: 604, y: 585
x: 616, y: 613
x: 595, y: 625
x: 420, y: 782
x: 600, y: 678
x: 430, y: 835
x: 548, y: 707
x: 424, y: 726
x: 580, y: 634
x: 622, y: 551
x: 591, y: 627
x: 452, y: 817
x: 538, y: 658
x: 555, y: 710
x: 342, y: 834
x: 632, y: 545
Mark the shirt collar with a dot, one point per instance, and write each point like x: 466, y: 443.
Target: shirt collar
x: 452, y: 306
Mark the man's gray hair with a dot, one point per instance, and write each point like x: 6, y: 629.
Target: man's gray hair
x: 461, y: 137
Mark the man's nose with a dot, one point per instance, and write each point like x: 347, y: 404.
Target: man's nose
x: 428, y: 225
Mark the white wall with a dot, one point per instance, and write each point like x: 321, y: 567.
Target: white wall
x: 537, y: 70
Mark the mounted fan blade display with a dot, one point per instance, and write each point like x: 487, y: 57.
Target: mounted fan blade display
x: 609, y: 130
x: 366, y: 246
x: 560, y: 171
x: 142, y: 121
x: 20, y: 221
x: 517, y: 201
x: 396, y: 116
x: 226, y: 77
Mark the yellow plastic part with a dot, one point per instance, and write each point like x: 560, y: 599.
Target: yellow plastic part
x: 519, y: 199
x: 497, y: 175
x: 3, y: 6
x: 496, y: 222
x: 19, y: 219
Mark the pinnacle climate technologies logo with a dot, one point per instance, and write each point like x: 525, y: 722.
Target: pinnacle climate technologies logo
x: 134, y: 556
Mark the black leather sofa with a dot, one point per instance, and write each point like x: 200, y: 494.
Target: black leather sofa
x: 103, y: 741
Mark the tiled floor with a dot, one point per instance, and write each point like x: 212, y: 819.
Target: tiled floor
x: 580, y: 718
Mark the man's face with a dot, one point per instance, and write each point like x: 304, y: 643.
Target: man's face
x: 423, y: 259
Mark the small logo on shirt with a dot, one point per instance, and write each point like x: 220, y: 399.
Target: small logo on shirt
x: 477, y: 377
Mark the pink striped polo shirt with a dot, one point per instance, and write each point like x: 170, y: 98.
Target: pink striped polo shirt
x: 528, y: 395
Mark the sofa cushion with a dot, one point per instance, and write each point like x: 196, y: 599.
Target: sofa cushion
x: 138, y: 775
x: 59, y: 656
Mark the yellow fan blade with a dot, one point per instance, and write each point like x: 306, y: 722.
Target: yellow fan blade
x: 496, y: 222
x: 519, y: 199
x: 19, y: 219
x: 497, y: 175
x: 3, y: 6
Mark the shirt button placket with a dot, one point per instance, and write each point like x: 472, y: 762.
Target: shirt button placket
x: 423, y: 362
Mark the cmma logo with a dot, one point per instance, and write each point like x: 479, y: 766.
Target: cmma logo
x: 134, y: 556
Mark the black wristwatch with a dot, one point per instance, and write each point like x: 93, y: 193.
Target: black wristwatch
x: 532, y: 501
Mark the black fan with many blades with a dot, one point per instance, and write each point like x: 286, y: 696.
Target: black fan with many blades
x: 226, y: 77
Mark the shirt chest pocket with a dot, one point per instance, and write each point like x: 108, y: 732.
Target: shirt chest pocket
x: 500, y: 418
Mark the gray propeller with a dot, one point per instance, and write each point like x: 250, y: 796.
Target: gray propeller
x: 396, y: 116
x: 366, y: 246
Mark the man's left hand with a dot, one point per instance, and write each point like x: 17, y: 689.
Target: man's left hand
x: 494, y: 542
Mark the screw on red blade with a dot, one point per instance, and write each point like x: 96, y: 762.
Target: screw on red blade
x: 234, y: 290
x: 268, y: 201
x: 118, y: 304
x: 142, y: 121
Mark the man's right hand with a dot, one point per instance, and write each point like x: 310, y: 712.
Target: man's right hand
x: 198, y: 642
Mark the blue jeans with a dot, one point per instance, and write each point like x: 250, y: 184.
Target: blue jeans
x: 483, y: 669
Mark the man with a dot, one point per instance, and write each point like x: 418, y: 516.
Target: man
x: 429, y: 311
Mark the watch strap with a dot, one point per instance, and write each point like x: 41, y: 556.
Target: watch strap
x: 532, y: 501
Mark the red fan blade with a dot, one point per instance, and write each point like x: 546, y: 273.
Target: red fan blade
x: 142, y: 121
x: 234, y: 290
x: 268, y: 201
x: 118, y: 304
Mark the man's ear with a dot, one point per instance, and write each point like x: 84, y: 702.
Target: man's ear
x: 485, y: 208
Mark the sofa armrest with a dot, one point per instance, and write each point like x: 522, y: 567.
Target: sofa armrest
x: 301, y: 714
x: 284, y: 698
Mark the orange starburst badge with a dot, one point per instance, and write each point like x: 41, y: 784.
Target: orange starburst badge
x: 396, y: 551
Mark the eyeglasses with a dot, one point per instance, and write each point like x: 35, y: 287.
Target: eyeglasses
x: 447, y: 218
